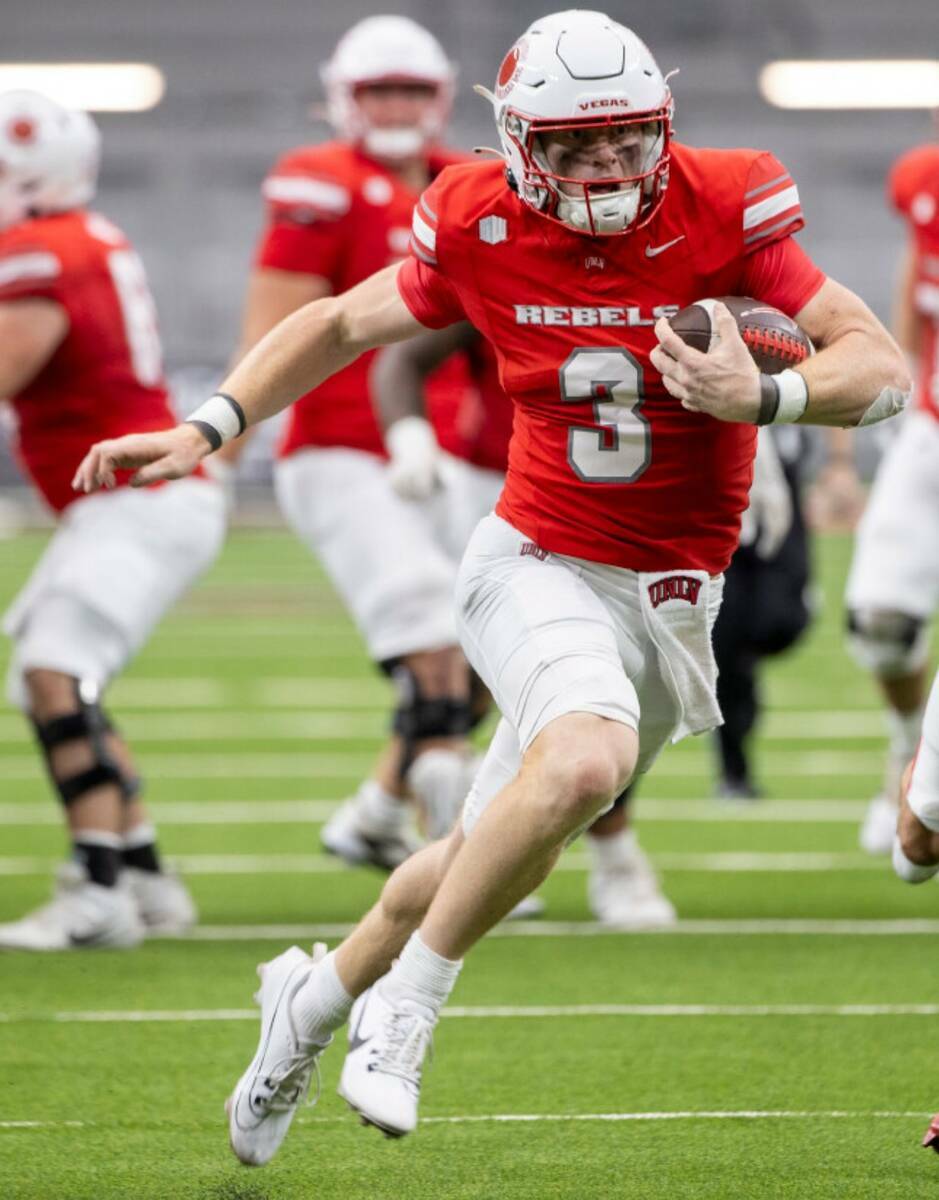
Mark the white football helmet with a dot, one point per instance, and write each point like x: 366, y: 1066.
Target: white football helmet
x: 387, y: 49
x: 580, y: 70
x: 48, y: 157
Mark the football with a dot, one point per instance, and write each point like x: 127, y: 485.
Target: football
x: 774, y: 340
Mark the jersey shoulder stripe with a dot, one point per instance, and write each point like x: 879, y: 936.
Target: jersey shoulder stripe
x: 29, y: 267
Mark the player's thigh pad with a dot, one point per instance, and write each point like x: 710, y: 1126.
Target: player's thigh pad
x: 923, y: 796
x: 538, y: 637
x: 114, y: 566
x: 380, y: 551
x: 896, y: 554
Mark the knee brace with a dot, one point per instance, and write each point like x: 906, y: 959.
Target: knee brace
x: 889, y: 643
x: 418, y: 718
x: 88, y: 723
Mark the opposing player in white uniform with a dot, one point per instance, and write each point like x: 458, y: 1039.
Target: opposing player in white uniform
x: 462, y: 487
x: 586, y: 601
x: 80, y: 357
x: 337, y: 212
x: 893, y: 586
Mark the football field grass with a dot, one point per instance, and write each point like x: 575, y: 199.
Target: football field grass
x: 779, y: 1044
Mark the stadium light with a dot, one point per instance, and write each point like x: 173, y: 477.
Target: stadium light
x: 94, y: 87
x: 857, y: 83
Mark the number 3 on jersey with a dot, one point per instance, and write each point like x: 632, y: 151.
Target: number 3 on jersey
x: 621, y: 449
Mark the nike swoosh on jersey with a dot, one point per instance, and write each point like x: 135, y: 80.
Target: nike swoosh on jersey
x: 652, y: 251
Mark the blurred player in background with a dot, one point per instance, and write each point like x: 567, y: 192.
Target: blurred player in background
x: 338, y: 212
x: 893, y: 585
x: 80, y: 357
x: 586, y: 602
x: 463, y: 486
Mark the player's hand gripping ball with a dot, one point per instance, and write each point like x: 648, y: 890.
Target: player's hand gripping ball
x: 711, y: 353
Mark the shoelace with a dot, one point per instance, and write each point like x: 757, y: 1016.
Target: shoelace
x: 289, y: 1081
x: 407, y: 1036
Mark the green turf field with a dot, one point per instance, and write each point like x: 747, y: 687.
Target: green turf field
x: 772, y: 1047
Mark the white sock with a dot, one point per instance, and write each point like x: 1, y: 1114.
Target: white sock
x: 612, y: 853
x: 322, y: 1004
x: 141, y: 835
x: 379, y: 810
x: 422, y: 975
x: 903, y: 730
x: 911, y: 872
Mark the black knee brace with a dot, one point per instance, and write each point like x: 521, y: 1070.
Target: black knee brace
x: 418, y: 718
x: 88, y: 723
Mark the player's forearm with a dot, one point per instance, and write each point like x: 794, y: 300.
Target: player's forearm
x: 397, y: 387
x: 855, y: 378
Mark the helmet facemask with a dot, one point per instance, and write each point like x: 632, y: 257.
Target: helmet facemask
x: 635, y: 148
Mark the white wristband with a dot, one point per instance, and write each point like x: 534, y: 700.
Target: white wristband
x: 222, y: 416
x: 793, y: 397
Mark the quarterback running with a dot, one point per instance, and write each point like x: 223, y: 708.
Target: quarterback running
x: 585, y: 602
x: 80, y: 358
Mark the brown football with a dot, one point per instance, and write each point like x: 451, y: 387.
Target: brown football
x: 774, y: 340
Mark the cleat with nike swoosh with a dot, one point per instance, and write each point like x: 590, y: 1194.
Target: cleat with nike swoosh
x: 81, y: 915
x: 266, y: 1098
x: 381, y: 1077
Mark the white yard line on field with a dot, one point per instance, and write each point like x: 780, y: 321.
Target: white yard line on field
x: 280, y: 812
x: 300, y: 764
x: 487, y: 1012
x: 760, y: 926
x: 286, y: 864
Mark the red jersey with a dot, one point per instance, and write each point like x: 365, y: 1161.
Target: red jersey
x: 604, y: 464
x: 105, y: 379
x: 336, y: 213
x: 914, y: 192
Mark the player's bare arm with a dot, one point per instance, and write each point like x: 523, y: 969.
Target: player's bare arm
x: 30, y: 333
x: 303, y: 350
x: 857, y: 377
x: 908, y: 322
x: 271, y: 296
x: 399, y: 373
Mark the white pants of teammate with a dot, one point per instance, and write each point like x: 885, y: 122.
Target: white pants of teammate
x: 923, y: 796
x: 551, y: 635
x: 896, y: 554
x: 393, y: 561
x: 115, y: 564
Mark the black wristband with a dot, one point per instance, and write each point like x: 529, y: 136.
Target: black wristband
x: 237, y: 410
x: 209, y: 432
x: 769, y: 400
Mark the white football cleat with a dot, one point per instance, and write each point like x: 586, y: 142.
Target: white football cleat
x: 163, y: 900
x: 81, y: 914
x: 352, y: 837
x: 879, y: 826
x: 267, y: 1096
x: 381, y: 1077
x: 628, y: 897
x: 532, y: 906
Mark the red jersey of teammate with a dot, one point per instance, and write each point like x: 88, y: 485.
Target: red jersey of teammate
x: 336, y: 213
x: 484, y: 418
x: 604, y: 464
x: 106, y: 377
x: 914, y: 192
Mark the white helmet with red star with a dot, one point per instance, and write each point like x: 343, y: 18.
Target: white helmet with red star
x: 570, y: 73
x: 387, y: 49
x: 48, y: 157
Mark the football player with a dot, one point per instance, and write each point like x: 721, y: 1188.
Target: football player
x: 464, y: 482
x: 585, y: 602
x: 893, y: 585
x: 80, y: 357
x: 336, y: 213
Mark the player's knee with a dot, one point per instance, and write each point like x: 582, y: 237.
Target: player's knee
x: 588, y: 771
x: 887, y: 642
x: 50, y: 693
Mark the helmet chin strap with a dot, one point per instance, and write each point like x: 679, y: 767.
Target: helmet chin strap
x: 611, y: 213
x: 403, y: 141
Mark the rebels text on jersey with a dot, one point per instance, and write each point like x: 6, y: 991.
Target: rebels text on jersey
x: 914, y: 192
x: 604, y: 464
x: 105, y: 379
x: 335, y: 213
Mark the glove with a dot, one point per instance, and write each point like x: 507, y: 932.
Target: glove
x: 768, y: 518
x: 415, y: 466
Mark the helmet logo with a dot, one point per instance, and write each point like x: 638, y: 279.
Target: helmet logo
x: 605, y: 102
x: 510, y: 69
x: 22, y: 130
